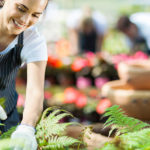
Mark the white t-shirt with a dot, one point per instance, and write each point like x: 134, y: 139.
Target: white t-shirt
x: 142, y: 21
x: 98, y: 19
x: 34, y: 48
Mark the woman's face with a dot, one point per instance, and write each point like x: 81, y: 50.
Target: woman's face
x: 18, y: 15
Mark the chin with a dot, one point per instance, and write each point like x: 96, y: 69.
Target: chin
x: 12, y: 30
x: 15, y: 32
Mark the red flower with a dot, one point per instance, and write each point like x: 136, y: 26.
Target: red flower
x: 81, y: 101
x: 70, y: 95
x: 103, y: 105
x: 54, y: 62
x: 47, y: 95
x: 79, y: 64
x: 90, y: 58
x: 140, y: 55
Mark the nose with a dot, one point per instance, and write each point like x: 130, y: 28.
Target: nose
x: 25, y: 19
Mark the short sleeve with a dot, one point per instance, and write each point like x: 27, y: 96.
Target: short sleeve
x: 35, y: 48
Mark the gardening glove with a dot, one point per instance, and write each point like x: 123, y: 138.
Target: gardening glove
x: 3, y: 115
x: 26, y: 135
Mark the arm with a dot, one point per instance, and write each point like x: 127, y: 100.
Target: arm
x: 34, y: 92
x: 73, y: 37
x: 99, y: 42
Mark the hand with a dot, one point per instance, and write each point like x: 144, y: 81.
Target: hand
x: 26, y: 134
x: 3, y: 115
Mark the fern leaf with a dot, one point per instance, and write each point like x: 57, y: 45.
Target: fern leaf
x: 121, y: 121
x: 59, y: 142
x: 7, y: 144
x: 50, y: 132
x: 7, y: 134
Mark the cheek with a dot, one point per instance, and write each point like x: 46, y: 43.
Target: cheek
x: 13, y: 14
x: 32, y: 22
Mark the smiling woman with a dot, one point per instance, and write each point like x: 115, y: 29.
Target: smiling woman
x: 20, y: 43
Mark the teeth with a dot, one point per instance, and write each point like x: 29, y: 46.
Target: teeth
x: 19, y: 25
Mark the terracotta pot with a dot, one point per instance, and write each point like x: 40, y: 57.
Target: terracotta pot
x: 137, y: 74
x: 135, y: 103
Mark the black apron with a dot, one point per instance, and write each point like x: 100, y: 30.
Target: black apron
x: 87, y: 41
x: 9, y: 66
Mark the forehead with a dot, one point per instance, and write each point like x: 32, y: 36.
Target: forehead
x: 33, y: 4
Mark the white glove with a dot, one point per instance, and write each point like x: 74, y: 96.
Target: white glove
x: 26, y: 134
x: 3, y: 115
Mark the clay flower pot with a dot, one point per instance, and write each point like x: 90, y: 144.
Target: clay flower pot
x: 136, y: 73
x: 135, y: 103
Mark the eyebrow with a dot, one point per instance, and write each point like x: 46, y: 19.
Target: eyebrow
x: 28, y: 9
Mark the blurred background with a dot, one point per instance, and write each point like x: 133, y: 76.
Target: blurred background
x: 98, y: 52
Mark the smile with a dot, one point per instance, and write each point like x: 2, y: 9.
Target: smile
x: 18, y: 25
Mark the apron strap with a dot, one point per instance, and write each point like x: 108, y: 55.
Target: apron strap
x: 20, y: 40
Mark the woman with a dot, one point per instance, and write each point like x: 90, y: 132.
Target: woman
x: 87, y: 29
x: 21, y: 43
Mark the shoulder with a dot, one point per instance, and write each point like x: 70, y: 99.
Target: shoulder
x: 35, y: 48
x: 31, y: 35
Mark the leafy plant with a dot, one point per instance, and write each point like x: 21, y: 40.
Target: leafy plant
x: 7, y: 134
x: 132, y: 132
x: 50, y: 132
x: 122, y: 122
x: 7, y: 144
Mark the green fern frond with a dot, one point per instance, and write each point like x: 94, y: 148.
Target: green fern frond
x: 50, y: 132
x: 7, y: 134
x: 139, y: 140
x: 59, y: 142
x: 7, y: 144
x: 120, y: 121
x: 136, y: 140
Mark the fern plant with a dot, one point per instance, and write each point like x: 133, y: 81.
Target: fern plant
x: 132, y: 132
x: 124, y: 124
x: 49, y: 132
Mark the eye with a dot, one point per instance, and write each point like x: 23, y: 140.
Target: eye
x: 36, y: 16
x: 21, y: 10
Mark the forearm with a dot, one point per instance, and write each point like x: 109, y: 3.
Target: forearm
x: 99, y: 43
x: 74, y: 42
x: 33, y: 108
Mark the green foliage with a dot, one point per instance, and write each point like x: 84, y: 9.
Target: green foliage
x: 139, y: 140
x: 115, y: 43
x: 7, y: 143
x: 123, y: 123
x: 109, y: 146
x: 7, y: 134
x: 2, y: 102
x: 134, y: 134
x: 50, y: 132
